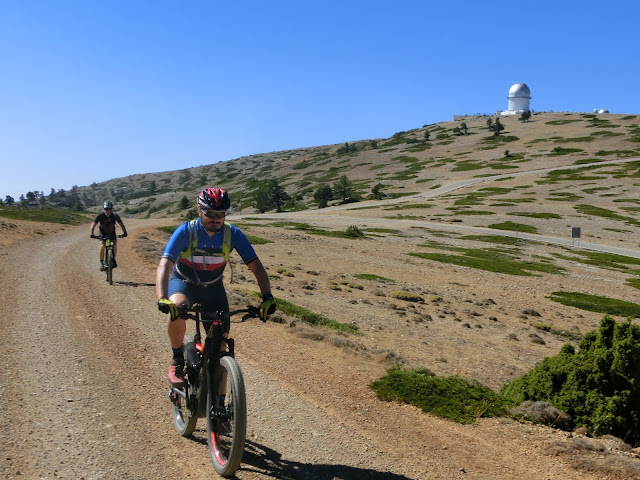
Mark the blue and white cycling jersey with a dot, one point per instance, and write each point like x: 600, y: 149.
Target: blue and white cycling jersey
x: 206, y: 262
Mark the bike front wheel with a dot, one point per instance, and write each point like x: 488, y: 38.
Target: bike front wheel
x: 226, y: 422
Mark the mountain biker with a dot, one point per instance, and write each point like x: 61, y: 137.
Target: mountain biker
x: 191, y: 267
x: 107, y: 221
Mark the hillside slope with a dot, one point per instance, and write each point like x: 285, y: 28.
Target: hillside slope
x: 403, y: 163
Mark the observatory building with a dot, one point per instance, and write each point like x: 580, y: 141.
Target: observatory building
x: 519, y: 96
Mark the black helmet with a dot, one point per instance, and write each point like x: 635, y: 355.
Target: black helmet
x: 107, y: 205
x: 214, y: 199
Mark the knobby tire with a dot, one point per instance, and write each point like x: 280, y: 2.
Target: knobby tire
x: 109, y: 276
x: 226, y: 448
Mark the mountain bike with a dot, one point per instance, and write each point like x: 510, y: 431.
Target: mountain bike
x: 213, y: 389
x: 108, y: 255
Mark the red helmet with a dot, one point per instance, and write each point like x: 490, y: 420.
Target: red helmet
x: 214, y: 199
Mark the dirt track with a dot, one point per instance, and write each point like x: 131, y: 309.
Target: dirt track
x: 85, y: 394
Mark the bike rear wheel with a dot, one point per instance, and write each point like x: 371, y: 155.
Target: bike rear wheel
x: 226, y: 424
x: 109, y: 271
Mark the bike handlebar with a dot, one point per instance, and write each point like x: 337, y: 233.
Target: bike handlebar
x: 105, y: 237
x: 190, y: 312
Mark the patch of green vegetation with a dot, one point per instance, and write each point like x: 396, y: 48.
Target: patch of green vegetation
x: 607, y: 133
x: 381, y: 230
x: 514, y: 227
x: 575, y: 139
x: 604, y: 213
x: 499, y: 239
x: 373, y: 277
x: 470, y: 199
x: 575, y: 174
x: 560, y: 122
x: 351, y: 232
x: 493, y: 139
x: 601, y: 123
x: 406, y: 159
x: 588, y: 160
x: 398, y: 139
x: 502, y: 166
x: 410, y: 206
x: 473, y: 212
x: 564, y: 197
x: 168, y: 229
x: 402, y: 176
x: 598, y: 386
x: 536, y: 215
x: 257, y: 240
x: 491, y: 260
x: 557, y: 151
x: 596, y: 303
x: 634, y: 282
x: 419, y: 148
x: 453, y: 398
x: 629, y: 117
x: 590, y: 191
x: 617, y: 153
x: 314, y: 319
x: 604, y: 260
x: 47, y: 214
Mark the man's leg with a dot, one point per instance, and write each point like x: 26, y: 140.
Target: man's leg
x: 176, y: 329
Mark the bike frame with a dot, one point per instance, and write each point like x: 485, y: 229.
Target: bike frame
x: 211, y: 372
x: 200, y: 369
x: 108, y: 255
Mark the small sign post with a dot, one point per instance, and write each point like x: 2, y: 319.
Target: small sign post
x: 575, y: 235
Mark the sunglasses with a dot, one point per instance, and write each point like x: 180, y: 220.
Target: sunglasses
x: 214, y: 214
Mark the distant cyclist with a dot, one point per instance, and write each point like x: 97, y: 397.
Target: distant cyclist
x: 107, y: 221
x: 191, y: 267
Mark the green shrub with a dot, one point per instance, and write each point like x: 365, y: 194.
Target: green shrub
x: 599, y: 386
x: 354, y: 231
x: 453, y: 398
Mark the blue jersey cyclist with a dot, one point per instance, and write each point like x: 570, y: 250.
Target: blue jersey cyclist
x: 190, y: 270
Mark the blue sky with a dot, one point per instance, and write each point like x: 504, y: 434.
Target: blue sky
x: 94, y: 90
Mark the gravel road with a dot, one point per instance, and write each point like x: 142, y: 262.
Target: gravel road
x: 85, y: 394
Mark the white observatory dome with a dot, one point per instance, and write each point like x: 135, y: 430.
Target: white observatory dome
x: 519, y: 90
x: 603, y: 110
x: 519, y: 96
